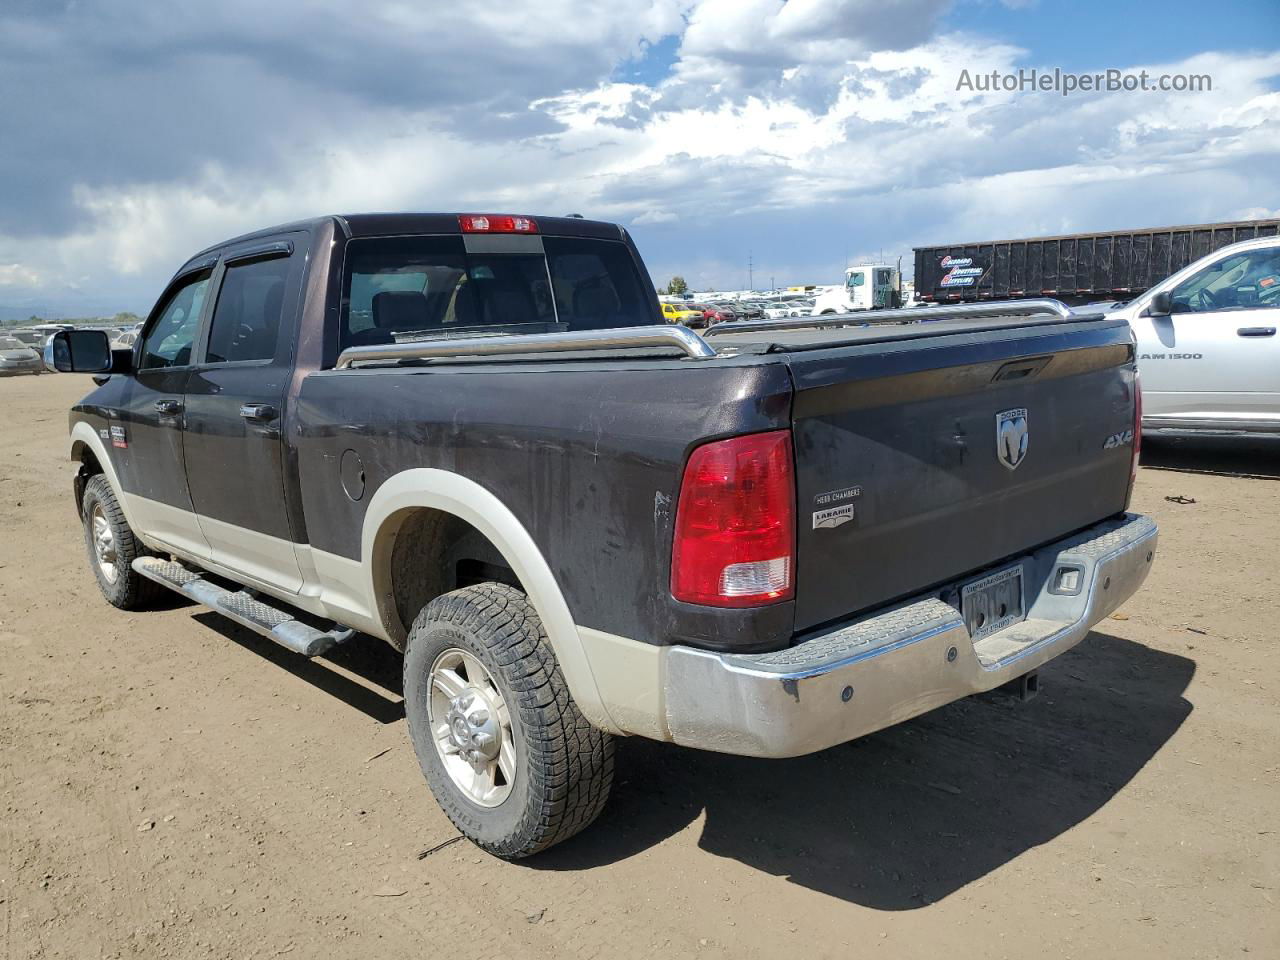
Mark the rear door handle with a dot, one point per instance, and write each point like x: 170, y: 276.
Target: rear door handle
x: 169, y: 408
x: 258, y: 412
x: 1257, y: 331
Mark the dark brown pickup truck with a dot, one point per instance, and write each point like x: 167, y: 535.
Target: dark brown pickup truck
x: 473, y: 437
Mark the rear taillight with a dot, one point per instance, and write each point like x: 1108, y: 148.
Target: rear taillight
x: 496, y: 223
x: 1137, y: 427
x: 735, y: 523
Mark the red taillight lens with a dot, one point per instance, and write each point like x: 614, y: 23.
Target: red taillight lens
x: 735, y: 538
x: 496, y: 223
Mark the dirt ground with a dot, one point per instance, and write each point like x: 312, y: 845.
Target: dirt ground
x: 174, y: 786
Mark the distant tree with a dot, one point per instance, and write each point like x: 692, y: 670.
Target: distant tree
x: 125, y: 318
x: 677, y: 287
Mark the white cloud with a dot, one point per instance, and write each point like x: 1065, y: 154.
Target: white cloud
x: 792, y: 131
x: 16, y: 275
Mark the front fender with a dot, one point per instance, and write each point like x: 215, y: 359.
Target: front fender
x: 83, y: 437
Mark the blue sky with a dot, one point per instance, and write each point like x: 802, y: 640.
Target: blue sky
x: 652, y: 64
x: 804, y: 134
x: 1096, y: 34
x: 1082, y: 35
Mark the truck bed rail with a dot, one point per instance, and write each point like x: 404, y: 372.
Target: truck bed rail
x: 692, y: 345
x: 1008, y: 308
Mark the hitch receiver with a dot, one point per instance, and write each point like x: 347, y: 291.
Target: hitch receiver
x: 1025, y: 687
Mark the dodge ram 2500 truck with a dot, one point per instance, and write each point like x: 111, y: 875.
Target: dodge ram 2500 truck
x: 473, y: 437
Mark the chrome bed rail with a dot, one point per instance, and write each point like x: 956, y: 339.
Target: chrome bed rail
x: 960, y: 311
x: 692, y: 345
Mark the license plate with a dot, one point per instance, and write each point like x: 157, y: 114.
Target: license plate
x: 992, y: 603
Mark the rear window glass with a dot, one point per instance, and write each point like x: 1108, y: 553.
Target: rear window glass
x: 596, y: 283
x: 399, y: 289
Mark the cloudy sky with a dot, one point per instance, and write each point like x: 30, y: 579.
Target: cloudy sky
x: 803, y: 134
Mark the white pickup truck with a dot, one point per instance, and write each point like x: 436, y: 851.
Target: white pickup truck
x: 1208, y: 350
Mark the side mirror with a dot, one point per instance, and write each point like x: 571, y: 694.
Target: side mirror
x: 1161, y: 304
x: 79, y: 351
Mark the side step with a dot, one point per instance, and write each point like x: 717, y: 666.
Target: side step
x: 243, y: 607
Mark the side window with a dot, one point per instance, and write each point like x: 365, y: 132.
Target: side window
x: 1241, y: 282
x: 169, y: 342
x: 856, y: 279
x: 246, y: 318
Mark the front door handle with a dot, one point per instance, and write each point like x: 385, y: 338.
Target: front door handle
x: 1256, y: 331
x: 258, y: 412
x: 168, y: 408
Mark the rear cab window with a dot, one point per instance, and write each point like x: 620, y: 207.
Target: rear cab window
x: 246, y: 317
x: 400, y: 289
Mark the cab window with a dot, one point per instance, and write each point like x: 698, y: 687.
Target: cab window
x: 169, y: 342
x: 857, y: 279
x: 246, y: 317
x: 1244, y: 281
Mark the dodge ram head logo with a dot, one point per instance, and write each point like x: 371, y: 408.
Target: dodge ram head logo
x: 1011, y: 437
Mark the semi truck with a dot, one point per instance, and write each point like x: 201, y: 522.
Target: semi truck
x: 1074, y: 268
x: 867, y: 286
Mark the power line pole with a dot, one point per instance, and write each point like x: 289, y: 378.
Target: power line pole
x: 751, y: 284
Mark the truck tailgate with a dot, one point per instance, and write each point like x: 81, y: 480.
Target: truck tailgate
x: 911, y: 465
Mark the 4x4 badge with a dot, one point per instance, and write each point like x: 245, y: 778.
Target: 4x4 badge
x: 1011, y: 437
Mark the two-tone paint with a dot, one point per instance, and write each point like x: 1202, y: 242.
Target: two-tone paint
x: 563, y: 474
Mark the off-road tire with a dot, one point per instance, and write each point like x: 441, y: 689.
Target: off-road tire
x: 128, y: 591
x: 564, y: 766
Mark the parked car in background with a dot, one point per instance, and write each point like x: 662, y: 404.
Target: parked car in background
x: 717, y: 313
x: 678, y: 312
x: 699, y: 319
x: 748, y: 310
x: 1208, y: 349
x: 17, y: 358
x: 29, y: 337
x: 781, y: 309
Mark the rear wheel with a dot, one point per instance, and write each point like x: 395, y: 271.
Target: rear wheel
x: 505, y: 750
x: 112, y: 548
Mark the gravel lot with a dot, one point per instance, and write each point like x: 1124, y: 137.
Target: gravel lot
x: 174, y: 786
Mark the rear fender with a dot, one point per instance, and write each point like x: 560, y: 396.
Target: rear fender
x: 449, y: 492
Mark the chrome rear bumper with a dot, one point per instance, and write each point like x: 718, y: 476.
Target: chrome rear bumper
x: 899, y: 663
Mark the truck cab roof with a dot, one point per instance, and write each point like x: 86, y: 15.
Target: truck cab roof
x: 408, y: 224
